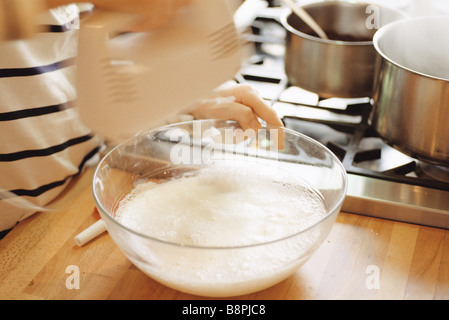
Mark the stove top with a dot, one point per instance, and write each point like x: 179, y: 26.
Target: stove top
x: 382, y: 182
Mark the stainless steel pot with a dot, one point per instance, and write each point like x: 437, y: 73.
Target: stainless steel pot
x: 411, y: 93
x: 335, y: 68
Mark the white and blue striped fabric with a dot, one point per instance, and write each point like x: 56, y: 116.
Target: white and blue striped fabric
x: 43, y: 144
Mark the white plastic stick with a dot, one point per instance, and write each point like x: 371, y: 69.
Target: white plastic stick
x: 91, y: 232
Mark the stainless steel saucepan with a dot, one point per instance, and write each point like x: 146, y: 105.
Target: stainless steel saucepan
x: 343, y: 65
x: 411, y: 93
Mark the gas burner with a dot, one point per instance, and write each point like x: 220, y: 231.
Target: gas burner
x: 363, y: 153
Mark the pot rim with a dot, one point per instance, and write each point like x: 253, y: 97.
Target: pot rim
x: 379, y: 33
x: 287, y: 12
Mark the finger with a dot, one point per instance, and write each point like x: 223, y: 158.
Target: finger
x: 247, y: 95
x: 246, y: 118
x: 229, y: 111
x: 277, y: 136
x: 244, y: 115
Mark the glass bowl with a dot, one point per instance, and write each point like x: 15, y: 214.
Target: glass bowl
x: 206, y: 208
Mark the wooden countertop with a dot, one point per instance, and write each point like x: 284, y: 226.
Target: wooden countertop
x: 362, y: 258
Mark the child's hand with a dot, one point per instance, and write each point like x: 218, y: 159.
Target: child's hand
x: 242, y: 103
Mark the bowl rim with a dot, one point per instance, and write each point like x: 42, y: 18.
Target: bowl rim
x: 331, y: 212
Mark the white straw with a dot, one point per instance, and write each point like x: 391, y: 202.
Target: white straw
x: 90, y: 233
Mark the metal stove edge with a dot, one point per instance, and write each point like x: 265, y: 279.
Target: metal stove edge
x: 397, y: 201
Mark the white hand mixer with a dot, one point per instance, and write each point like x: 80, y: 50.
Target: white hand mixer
x: 131, y: 82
